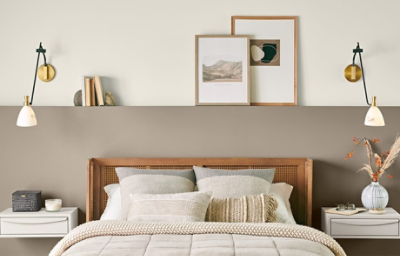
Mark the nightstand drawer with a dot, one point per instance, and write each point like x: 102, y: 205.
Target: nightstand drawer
x: 16, y: 226
x: 364, y: 227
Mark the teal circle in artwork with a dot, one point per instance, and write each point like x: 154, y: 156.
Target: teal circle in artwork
x: 270, y: 53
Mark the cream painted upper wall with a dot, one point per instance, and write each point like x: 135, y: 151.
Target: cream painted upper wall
x: 145, y: 49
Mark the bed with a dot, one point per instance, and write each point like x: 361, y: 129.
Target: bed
x: 121, y: 237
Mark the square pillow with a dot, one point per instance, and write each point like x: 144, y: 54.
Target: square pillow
x: 234, y: 183
x: 146, y: 181
x: 282, y: 192
x: 255, y: 209
x: 182, y: 207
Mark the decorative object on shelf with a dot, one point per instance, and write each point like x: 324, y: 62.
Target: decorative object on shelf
x: 375, y: 197
x: 53, y: 205
x: 353, y: 73
x: 98, y: 87
x: 92, y: 92
x: 222, y: 70
x: 273, y: 58
x: 46, y: 73
x: 27, y: 201
x: 78, y: 98
x: 109, y: 99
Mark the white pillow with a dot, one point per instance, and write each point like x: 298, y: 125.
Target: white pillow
x: 282, y: 192
x: 113, y: 207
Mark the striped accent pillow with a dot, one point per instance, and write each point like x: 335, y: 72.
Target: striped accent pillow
x: 147, y: 181
x: 255, y: 209
x: 181, y: 207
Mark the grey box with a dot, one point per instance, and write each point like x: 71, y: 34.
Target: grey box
x: 27, y: 201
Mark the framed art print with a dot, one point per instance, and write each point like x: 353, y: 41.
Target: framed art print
x: 273, y: 58
x: 222, y: 70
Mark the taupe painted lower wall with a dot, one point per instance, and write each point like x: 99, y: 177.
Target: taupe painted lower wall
x: 52, y: 156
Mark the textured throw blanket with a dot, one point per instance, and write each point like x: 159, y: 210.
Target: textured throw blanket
x: 127, y: 228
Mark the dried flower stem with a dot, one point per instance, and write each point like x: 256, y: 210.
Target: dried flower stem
x: 380, y: 166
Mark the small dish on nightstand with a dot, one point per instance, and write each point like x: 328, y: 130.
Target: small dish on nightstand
x: 53, y: 205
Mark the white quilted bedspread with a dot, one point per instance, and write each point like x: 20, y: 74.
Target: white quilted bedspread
x: 120, y: 238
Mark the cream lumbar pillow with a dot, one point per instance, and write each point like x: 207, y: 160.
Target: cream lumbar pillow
x: 255, y: 209
x: 181, y: 207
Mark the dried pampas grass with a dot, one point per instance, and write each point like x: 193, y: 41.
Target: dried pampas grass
x: 394, y: 152
x: 380, y: 165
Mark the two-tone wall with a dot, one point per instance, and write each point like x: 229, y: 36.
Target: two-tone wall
x: 144, y: 50
x: 52, y: 156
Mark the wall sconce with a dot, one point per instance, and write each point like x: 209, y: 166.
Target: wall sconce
x: 353, y: 73
x: 46, y: 73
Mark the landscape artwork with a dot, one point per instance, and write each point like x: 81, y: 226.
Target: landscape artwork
x: 264, y: 52
x: 222, y: 69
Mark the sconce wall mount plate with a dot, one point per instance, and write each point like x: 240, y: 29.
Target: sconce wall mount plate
x: 352, y: 73
x: 46, y: 73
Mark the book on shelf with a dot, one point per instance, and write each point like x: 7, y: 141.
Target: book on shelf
x: 92, y: 91
x: 87, y: 92
x: 99, y: 91
x: 83, y: 92
x: 92, y: 95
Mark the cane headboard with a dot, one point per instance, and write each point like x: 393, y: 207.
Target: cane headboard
x: 294, y: 171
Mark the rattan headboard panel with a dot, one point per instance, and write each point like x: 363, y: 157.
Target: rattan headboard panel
x: 294, y: 171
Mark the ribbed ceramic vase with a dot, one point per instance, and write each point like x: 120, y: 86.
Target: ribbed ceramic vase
x: 375, y: 198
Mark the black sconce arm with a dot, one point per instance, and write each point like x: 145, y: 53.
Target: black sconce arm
x: 40, y: 50
x: 359, y: 51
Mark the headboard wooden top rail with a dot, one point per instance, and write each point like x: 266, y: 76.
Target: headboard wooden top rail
x: 294, y: 171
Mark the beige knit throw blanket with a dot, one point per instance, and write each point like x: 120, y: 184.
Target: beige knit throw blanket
x: 128, y: 228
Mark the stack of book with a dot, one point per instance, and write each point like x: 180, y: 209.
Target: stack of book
x: 92, y: 92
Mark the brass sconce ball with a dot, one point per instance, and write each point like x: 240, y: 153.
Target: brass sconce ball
x: 352, y: 73
x: 46, y: 73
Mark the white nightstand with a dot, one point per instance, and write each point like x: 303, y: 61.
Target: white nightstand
x: 362, y: 225
x: 38, y: 224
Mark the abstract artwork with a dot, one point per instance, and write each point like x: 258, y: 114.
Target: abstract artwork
x: 273, y: 58
x: 222, y: 70
x: 264, y: 52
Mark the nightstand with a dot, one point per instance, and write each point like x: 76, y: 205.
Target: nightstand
x: 38, y: 224
x: 362, y: 225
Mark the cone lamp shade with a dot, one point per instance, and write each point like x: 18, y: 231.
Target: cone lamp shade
x: 374, y: 116
x: 26, y: 117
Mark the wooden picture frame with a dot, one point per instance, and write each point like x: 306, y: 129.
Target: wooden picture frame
x: 278, y: 87
x: 230, y: 88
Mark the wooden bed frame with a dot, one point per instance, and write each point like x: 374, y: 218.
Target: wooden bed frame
x: 294, y: 171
